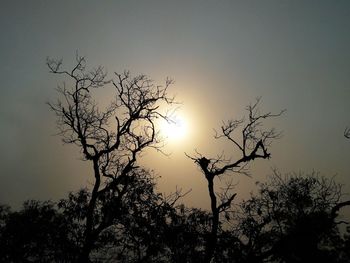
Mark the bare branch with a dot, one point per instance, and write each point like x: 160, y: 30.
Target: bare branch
x: 252, y: 144
x: 347, y: 133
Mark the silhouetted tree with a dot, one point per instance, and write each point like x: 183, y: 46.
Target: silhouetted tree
x: 251, y: 142
x: 4, y: 214
x: 345, y: 255
x: 36, y: 233
x: 293, y: 219
x: 185, y: 236
x: 123, y: 213
x: 146, y: 227
x: 110, y: 139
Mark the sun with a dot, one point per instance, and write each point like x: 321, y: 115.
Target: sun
x: 176, y: 128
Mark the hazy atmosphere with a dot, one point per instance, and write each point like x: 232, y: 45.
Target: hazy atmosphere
x: 222, y: 56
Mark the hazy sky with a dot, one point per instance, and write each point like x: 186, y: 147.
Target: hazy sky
x: 222, y: 55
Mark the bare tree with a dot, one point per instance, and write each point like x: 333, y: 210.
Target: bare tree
x: 111, y: 139
x: 252, y: 144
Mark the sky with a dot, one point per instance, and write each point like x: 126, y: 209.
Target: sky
x: 221, y: 54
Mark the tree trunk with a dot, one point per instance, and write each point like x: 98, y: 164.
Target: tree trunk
x: 212, y: 238
x: 89, y: 236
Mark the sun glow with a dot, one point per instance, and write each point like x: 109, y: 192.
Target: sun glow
x: 176, y: 128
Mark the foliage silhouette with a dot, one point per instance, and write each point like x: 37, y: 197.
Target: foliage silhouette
x: 137, y: 219
x: 36, y: 233
x: 146, y: 227
x: 293, y: 219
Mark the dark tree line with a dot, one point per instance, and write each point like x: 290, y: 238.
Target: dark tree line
x: 290, y: 219
x: 121, y: 217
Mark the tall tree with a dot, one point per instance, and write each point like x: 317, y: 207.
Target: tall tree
x: 251, y: 142
x: 111, y: 139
